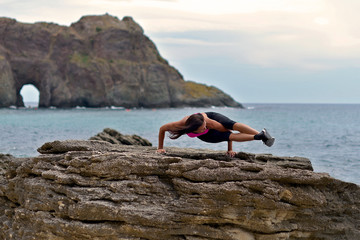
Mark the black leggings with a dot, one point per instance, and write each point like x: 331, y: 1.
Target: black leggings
x: 214, y: 136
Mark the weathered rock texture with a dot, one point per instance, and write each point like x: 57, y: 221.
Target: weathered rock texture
x: 112, y: 136
x: 98, y: 61
x: 98, y: 190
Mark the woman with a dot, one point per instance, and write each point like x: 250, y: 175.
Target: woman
x: 213, y: 127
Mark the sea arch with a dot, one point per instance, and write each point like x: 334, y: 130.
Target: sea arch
x: 38, y: 74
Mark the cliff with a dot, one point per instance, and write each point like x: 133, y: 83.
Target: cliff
x: 98, y: 61
x: 97, y: 190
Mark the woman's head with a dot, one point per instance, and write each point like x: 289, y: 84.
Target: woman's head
x: 192, y: 124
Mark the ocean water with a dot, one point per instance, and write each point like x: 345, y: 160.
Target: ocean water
x: 327, y: 134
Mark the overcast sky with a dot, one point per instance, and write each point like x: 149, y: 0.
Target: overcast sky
x: 258, y: 51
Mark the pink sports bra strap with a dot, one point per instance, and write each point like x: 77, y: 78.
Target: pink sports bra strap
x: 192, y: 135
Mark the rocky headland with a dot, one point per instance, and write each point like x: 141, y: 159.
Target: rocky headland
x: 98, y: 190
x: 98, y: 61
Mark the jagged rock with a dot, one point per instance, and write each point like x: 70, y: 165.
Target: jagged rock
x: 98, y: 61
x: 98, y: 190
x: 114, y: 137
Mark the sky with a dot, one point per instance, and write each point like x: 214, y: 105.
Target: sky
x: 258, y: 51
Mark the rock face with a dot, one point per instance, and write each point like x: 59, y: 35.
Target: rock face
x: 97, y: 190
x: 98, y: 61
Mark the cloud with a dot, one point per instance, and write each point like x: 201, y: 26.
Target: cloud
x: 188, y: 41
x: 273, y: 39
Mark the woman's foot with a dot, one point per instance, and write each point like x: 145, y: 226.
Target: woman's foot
x: 265, y: 136
x: 269, y: 140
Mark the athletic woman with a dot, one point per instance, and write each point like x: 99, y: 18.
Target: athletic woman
x: 213, y: 127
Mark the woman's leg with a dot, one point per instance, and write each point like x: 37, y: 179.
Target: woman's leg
x: 243, y: 128
x: 247, y: 133
x: 241, y: 137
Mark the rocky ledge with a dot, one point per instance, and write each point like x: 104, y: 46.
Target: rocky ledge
x: 98, y: 190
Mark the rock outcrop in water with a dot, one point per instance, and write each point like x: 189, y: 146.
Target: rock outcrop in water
x: 98, y: 61
x: 97, y: 190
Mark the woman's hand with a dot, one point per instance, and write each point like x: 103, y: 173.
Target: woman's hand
x: 160, y: 150
x: 231, y: 154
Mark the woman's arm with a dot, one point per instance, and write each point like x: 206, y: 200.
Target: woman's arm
x: 230, y: 152
x: 212, y: 124
x: 161, y: 139
x: 167, y: 127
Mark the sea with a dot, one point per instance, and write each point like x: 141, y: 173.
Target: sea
x: 327, y: 134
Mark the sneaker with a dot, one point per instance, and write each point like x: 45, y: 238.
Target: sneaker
x: 267, y: 139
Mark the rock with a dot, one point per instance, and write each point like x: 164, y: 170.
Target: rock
x: 7, y: 84
x: 114, y: 137
x: 98, y: 190
x: 96, y: 62
x: 74, y: 145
